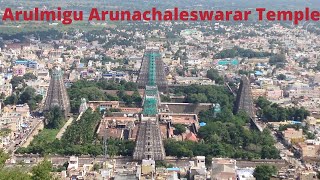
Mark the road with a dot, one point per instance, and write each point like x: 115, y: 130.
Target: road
x: 24, y: 135
x: 64, y: 128
x: 285, y: 153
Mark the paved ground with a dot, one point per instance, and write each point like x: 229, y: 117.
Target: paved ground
x: 24, y: 136
x: 63, y: 129
x: 27, y: 140
x: 65, y: 126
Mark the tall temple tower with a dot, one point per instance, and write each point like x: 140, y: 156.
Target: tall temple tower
x: 57, y: 94
x: 244, y: 101
x: 149, y: 143
x: 152, y: 67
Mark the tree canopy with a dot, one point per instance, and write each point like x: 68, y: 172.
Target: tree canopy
x: 206, y: 94
x: 240, y: 52
x: 54, y: 118
x: 79, y: 139
x: 264, y: 172
x: 179, y: 128
x: 42, y: 171
x: 94, y: 91
x: 278, y: 59
x: 224, y: 135
x: 3, y: 157
x: 29, y: 76
x: 213, y: 74
x: 28, y: 96
x: 281, y: 77
x: 273, y: 112
x: 14, y: 174
x: 317, y: 68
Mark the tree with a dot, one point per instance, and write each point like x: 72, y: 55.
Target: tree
x: 42, y: 171
x: 179, y: 148
x: 281, y: 77
x: 163, y: 164
x: 2, y: 96
x: 204, y: 54
x: 54, y: 118
x: 130, y: 86
x: 264, y: 172
x: 165, y: 98
x: 13, y: 99
x: 89, y: 90
x: 213, y: 74
x: 96, y: 167
x: 29, y: 76
x: 38, y: 98
x: 241, y: 71
x: 136, y: 98
x: 304, y: 62
x: 13, y: 174
x: 277, y: 59
x: 179, y: 128
x: 15, y: 81
x: 269, y: 152
x: 237, y: 51
x: 27, y: 95
x: 127, y: 99
x: 274, y: 112
x: 298, y: 114
x: 3, y: 157
x: 197, y: 98
x: 317, y: 68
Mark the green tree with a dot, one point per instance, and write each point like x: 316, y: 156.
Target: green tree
x: 42, y: 171
x: 237, y: 51
x: 197, y: 98
x: 243, y: 72
x: 130, y: 86
x: 3, y: 157
x: 136, y: 98
x: 317, y: 68
x: 38, y: 98
x: 281, y: 77
x: 274, y: 112
x: 96, y: 167
x: 29, y: 76
x: 89, y: 90
x: 204, y: 54
x: 262, y: 102
x: 54, y: 118
x: 27, y: 95
x: 269, y: 152
x: 13, y: 99
x: 264, y: 172
x: 13, y: 174
x: 278, y: 59
x: 15, y: 81
x: 179, y: 128
x: 165, y: 98
x: 213, y: 74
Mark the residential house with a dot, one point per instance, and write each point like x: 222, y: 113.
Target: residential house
x: 223, y: 169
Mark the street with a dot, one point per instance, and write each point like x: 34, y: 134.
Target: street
x: 24, y: 134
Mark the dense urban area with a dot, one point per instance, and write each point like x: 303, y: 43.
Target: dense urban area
x: 159, y: 100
